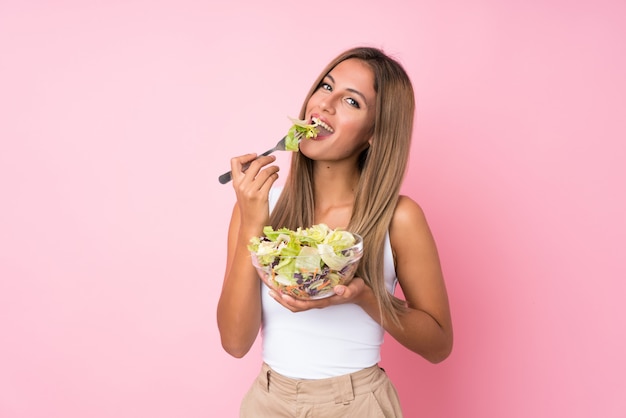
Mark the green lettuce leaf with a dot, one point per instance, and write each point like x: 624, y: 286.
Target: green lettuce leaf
x: 299, y: 129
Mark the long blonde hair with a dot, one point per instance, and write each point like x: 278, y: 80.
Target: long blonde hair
x: 382, y: 167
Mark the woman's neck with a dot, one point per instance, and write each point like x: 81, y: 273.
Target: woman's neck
x: 335, y: 189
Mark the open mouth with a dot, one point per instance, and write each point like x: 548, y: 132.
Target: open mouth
x: 322, y: 127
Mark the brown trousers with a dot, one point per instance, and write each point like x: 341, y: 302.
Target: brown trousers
x: 365, y: 394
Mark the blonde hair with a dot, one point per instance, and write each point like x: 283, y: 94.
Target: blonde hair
x: 382, y: 167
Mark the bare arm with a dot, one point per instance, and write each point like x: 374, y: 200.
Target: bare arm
x: 427, y: 325
x: 239, y: 306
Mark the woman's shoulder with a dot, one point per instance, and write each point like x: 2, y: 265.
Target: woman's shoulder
x: 407, y: 211
x: 408, y: 222
x: 412, y: 242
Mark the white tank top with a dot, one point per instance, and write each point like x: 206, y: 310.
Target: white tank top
x: 322, y: 343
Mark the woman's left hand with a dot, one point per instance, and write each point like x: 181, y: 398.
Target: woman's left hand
x: 351, y: 293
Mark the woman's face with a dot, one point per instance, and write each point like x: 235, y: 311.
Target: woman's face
x: 345, y: 103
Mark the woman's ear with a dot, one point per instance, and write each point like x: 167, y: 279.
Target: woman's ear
x: 371, y: 132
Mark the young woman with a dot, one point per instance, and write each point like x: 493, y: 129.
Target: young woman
x: 320, y: 356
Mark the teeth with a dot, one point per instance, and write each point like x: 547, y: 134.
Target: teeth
x: 321, y: 123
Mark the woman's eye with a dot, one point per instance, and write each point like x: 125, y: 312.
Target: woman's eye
x: 353, y: 102
x: 326, y: 86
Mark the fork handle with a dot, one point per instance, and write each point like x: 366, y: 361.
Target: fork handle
x: 226, y: 177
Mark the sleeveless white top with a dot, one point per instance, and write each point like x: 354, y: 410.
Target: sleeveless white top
x: 321, y: 343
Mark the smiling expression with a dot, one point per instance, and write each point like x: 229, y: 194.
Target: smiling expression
x: 345, y: 102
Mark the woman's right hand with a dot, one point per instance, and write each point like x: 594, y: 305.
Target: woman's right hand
x: 239, y: 306
x: 252, y: 186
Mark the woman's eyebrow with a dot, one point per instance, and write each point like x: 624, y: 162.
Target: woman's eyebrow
x: 350, y: 90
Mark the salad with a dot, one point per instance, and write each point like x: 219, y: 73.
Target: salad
x: 299, y: 129
x: 306, y: 263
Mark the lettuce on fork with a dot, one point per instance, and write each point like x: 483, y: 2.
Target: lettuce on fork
x: 299, y: 129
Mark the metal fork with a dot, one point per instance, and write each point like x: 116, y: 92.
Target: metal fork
x: 280, y: 146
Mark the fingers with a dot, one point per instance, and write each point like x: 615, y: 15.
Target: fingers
x: 300, y: 305
x: 343, y: 294
x: 351, y: 290
x: 251, y: 168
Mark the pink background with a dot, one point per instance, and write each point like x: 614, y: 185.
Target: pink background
x: 117, y: 117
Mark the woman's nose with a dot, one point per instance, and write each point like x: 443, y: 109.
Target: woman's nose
x: 327, y: 104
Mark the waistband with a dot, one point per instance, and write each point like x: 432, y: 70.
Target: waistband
x: 341, y: 389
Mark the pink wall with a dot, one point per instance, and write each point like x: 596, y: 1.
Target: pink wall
x: 117, y: 117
